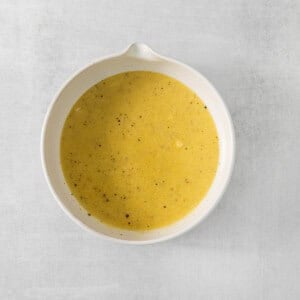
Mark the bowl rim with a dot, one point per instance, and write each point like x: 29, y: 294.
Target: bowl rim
x: 119, y: 240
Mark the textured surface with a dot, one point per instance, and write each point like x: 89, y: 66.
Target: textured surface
x: 249, y: 247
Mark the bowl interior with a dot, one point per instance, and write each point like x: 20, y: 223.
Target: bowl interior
x: 91, y: 75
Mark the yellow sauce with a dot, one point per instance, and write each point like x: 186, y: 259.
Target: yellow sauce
x: 139, y: 150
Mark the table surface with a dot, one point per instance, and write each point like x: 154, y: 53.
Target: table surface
x: 249, y: 248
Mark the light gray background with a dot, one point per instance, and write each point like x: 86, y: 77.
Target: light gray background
x: 249, y: 248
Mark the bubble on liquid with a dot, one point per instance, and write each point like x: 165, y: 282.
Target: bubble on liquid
x: 179, y: 144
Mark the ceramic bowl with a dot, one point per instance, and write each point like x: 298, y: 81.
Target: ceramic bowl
x: 135, y: 57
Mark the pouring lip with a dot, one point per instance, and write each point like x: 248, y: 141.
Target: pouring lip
x: 141, y: 51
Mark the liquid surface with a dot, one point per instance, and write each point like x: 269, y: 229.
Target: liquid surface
x: 139, y: 150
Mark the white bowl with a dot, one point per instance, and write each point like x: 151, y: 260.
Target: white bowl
x: 135, y: 57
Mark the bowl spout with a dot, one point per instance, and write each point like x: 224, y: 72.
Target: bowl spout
x: 141, y: 51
